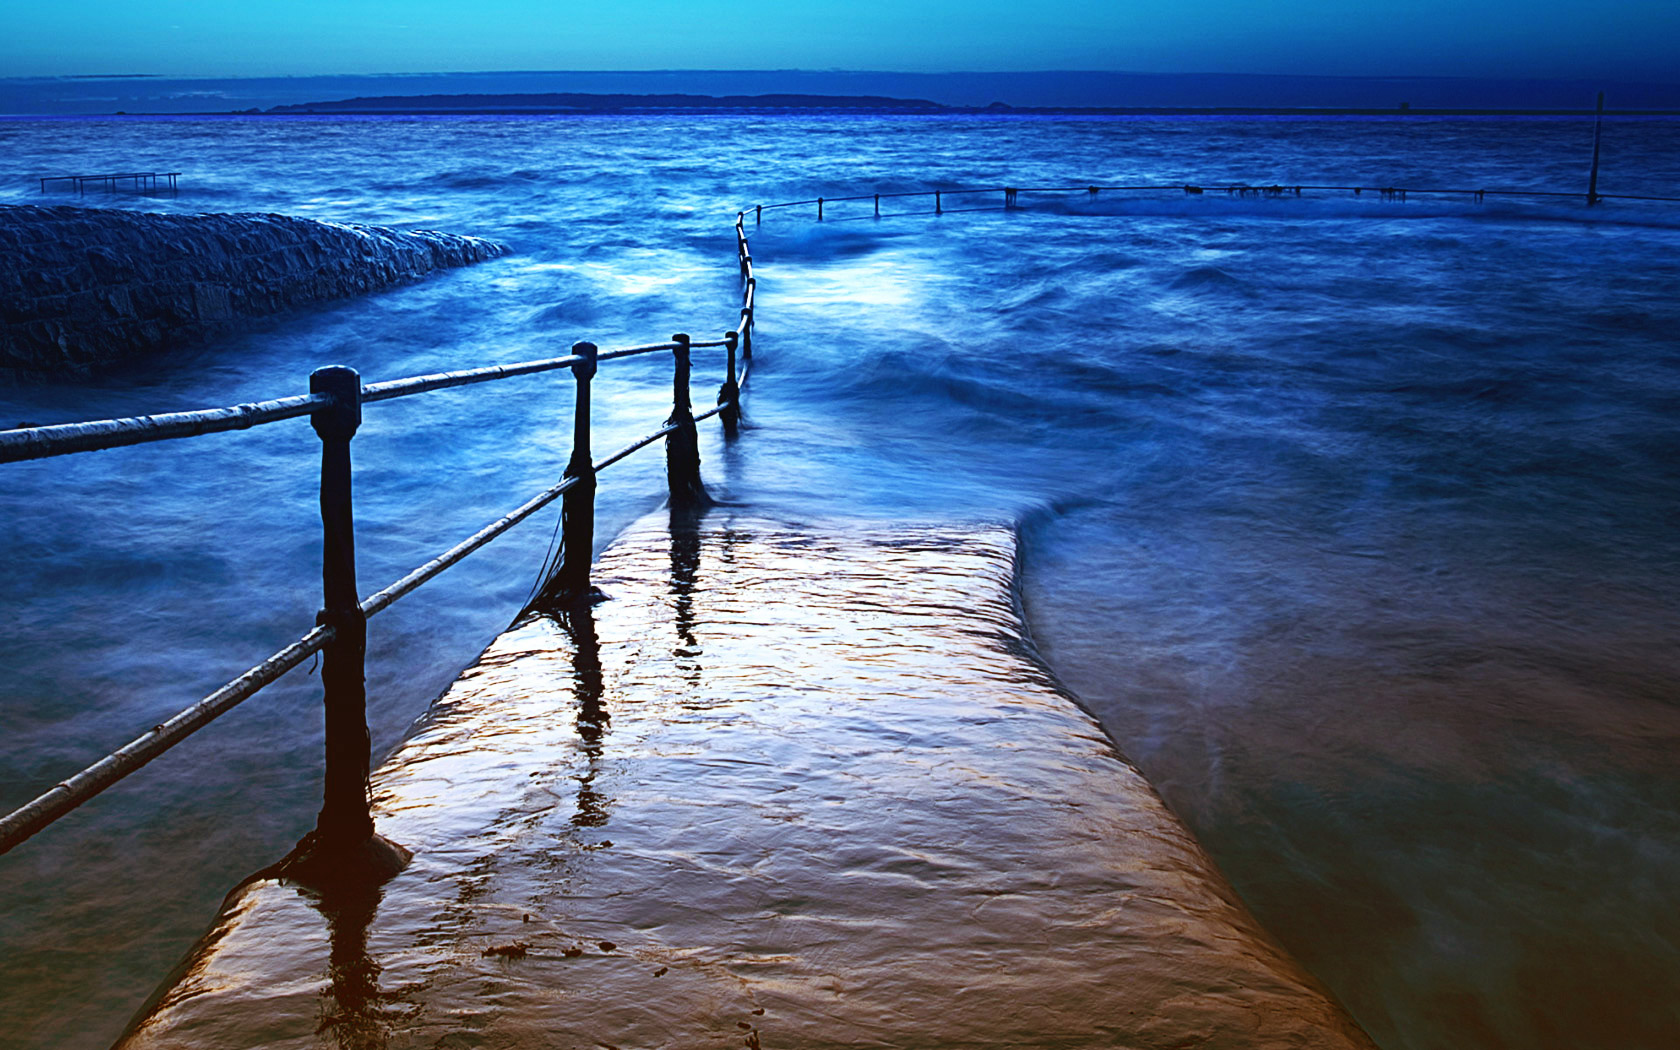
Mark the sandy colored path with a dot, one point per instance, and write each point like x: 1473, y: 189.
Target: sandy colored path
x: 786, y: 788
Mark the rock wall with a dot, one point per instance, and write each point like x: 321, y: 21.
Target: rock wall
x: 81, y: 288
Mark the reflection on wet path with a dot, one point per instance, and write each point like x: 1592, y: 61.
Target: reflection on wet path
x: 781, y: 787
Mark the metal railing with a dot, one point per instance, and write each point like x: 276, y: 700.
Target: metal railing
x: 334, y: 405
x: 1011, y: 194
x: 137, y: 181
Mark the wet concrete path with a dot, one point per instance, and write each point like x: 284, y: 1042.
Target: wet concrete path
x: 787, y: 787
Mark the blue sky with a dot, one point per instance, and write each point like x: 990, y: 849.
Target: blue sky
x: 1631, y: 39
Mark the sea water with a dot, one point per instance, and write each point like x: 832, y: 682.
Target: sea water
x: 1352, y: 519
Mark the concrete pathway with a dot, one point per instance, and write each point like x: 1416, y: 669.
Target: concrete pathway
x: 787, y: 787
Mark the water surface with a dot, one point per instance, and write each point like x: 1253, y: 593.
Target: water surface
x: 1353, y: 521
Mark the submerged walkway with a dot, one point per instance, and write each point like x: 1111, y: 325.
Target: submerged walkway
x: 787, y: 787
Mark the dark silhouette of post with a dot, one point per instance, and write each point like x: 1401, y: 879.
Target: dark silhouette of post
x: 729, y: 394
x: 1598, y: 132
x: 682, y: 444
x: 877, y: 205
x: 577, y: 511
x: 747, y: 327
x: 344, y: 819
x: 819, y: 209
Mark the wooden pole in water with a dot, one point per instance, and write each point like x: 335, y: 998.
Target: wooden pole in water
x: 729, y: 394
x: 577, y: 509
x: 682, y: 444
x: 344, y: 820
x: 819, y: 209
x: 1598, y: 132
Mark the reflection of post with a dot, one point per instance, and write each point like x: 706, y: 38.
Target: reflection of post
x: 355, y: 1017
x: 685, y: 574
x: 593, y: 719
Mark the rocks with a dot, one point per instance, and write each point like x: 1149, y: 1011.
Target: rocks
x: 83, y: 288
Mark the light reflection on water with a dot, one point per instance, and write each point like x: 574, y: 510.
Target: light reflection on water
x: 1352, y: 521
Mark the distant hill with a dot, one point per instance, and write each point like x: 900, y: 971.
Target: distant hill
x: 538, y: 103
x: 581, y: 102
x: 1057, y: 91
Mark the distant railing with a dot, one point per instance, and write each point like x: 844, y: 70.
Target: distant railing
x: 334, y: 403
x: 1010, y: 195
x: 136, y: 181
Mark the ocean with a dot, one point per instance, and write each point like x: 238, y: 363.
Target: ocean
x: 1353, y: 520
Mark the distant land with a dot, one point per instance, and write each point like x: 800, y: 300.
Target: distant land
x: 1050, y: 91
x: 584, y: 103
x: 578, y: 102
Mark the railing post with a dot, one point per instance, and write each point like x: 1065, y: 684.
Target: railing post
x: 344, y: 818
x: 758, y: 214
x: 729, y: 394
x: 751, y: 321
x: 577, y: 509
x: 819, y: 209
x: 877, y: 205
x: 938, y: 204
x: 682, y: 445
x: 1598, y: 132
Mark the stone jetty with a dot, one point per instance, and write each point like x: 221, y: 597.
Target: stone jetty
x: 803, y: 787
x: 82, y: 288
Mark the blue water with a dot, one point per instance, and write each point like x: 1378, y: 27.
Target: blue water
x: 1354, y: 521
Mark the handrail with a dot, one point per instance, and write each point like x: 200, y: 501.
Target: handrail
x: 335, y: 407
x: 25, y: 443
x: 66, y: 438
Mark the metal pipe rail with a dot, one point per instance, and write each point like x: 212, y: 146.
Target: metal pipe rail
x: 66, y: 438
x: 141, y: 179
x: 1275, y: 189
x: 334, y: 405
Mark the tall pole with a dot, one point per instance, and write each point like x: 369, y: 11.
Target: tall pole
x: 1598, y: 133
x: 729, y: 395
x: 682, y: 444
x: 344, y: 820
x: 577, y: 511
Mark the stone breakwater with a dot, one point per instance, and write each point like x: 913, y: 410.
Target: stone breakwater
x: 82, y: 288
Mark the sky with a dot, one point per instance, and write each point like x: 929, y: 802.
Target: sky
x: 1628, y: 39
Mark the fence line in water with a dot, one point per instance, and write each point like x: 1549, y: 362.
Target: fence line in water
x: 1011, y: 194
x: 344, y: 844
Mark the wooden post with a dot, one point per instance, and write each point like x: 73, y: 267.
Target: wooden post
x: 1598, y: 132
x: 577, y: 509
x: 938, y: 204
x: 819, y: 209
x: 682, y: 445
x: 758, y: 214
x: 344, y: 819
x: 752, y: 315
x: 729, y: 394
x: 877, y: 205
